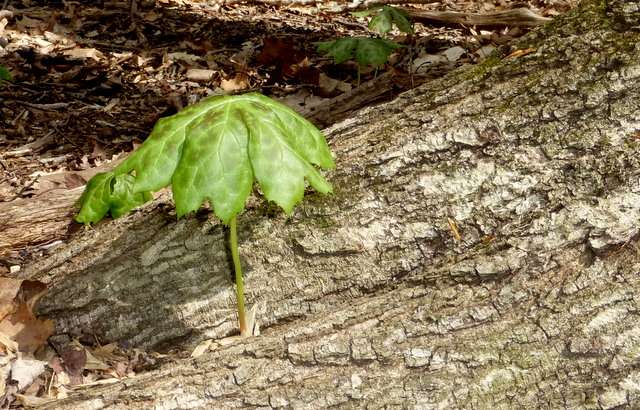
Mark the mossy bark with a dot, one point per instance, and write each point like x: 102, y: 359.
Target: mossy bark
x: 480, y: 251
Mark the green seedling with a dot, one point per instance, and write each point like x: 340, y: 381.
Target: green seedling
x: 384, y: 18
x: 365, y: 51
x: 213, y: 151
x: 5, y: 75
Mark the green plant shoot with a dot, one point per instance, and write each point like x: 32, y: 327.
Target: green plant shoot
x: 5, y: 75
x: 365, y: 51
x: 386, y: 17
x: 214, y: 151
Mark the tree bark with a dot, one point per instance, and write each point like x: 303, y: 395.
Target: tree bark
x: 480, y: 251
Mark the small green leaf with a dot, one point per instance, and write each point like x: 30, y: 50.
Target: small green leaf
x: 341, y: 50
x: 375, y: 51
x: 400, y: 18
x: 381, y: 23
x: 366, y: 51
x: 386, y: 17
x: 212, y: 151
x: 5, y: 74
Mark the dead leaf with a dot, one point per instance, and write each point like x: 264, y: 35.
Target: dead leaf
x: 239, y: 82
x: 74, y: 358
x: 201, y: 348
x: 184, y: 57
x: 93, y: 363
x: 84, y: 53
x: 151, y: 16
x: 521, y: 53
x: 279, y: 52
x: 9, y: 289
x: 330, y: 87
x: 425, y: 62
x: 454, y: 53
x: 200, y: 75
x: 73, y: 180
x: 25, y: 371
x: 20, y: 324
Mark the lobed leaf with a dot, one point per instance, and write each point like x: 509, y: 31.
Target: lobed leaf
x: 341, y: 49
x: 375, y: 52
x: 366, y: 51
x: 106, y: 193
x: 213, y: 151
x: 384, y: 20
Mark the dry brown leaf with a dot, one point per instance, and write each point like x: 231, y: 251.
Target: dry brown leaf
x: 74, y: 358
x: 237, y: 83
x: 84, y: 53
x: 9, y: 289
x: 330, y: 87
x: 200, y: 75
x: 93, y: 363
x: 20, y: 324
x: 521, y: 53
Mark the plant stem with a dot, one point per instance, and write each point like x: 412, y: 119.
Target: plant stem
x: 233, y: 241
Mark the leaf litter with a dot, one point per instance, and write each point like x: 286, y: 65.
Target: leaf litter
x: 88, y: 83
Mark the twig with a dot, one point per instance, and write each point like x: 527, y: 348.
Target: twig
x: 46, y: 107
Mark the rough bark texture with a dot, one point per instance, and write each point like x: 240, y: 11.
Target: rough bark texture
x: 366, y: 298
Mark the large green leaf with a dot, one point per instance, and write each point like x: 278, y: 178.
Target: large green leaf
x: 213, y: 151
x: 366, y: 51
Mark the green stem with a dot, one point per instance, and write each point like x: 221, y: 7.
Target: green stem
x: 233, y: 241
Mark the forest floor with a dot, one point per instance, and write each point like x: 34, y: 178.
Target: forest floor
x: 90, y: 79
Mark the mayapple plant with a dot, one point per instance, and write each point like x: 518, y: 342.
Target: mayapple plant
x: 368, y: 51
x: 212, y: 151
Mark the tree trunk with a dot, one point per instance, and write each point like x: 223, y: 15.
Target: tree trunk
x: 480, y: 251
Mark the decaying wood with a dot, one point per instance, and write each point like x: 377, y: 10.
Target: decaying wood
x: 371, y: 297
x: 520, y: 17
x: 28, y: 224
